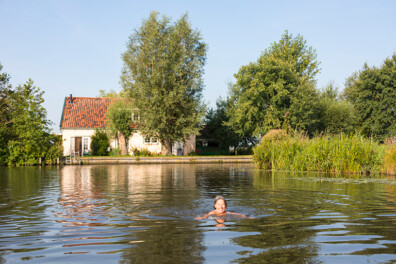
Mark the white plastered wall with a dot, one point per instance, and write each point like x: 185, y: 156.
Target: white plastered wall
x: 67, y: 134
x: 137, y: 141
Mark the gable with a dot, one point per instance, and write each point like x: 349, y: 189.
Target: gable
x: 85, y: 112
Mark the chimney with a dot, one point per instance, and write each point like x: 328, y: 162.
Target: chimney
x: 71, y: 99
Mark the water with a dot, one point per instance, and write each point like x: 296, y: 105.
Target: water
x: 146, y: 214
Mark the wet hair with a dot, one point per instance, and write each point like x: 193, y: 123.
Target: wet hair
x: 219, y: 197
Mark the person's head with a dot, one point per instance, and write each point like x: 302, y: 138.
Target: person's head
x: 220, y: 204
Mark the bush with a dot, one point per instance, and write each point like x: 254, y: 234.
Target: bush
x: 100, y: 144
x: 54, y: 150
x: 141, y: 152
x: 275, y: 135
x: 209, y: 151
x: 244, y: 151
x: 115, y: 152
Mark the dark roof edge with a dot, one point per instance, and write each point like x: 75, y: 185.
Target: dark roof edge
x: 63, y: 111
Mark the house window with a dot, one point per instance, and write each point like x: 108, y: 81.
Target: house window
x: 150, y: 140
x: 135, y: 117
x: 85, y: 145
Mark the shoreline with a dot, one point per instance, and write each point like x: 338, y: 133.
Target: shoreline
x: 162, y: 160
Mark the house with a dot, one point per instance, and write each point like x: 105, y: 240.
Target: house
x: 82, y: 116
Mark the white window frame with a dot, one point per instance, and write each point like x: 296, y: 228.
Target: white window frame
x: 87, y: 149
x: 150, y: 140
x: 135, y: 116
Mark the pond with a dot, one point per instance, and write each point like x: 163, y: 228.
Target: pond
x: 147, y: 214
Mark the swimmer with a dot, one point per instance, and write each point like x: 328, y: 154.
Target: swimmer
x: 220, y: 209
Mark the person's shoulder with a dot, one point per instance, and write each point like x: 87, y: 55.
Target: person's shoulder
x: 237, y: 214
x: 209, y: 214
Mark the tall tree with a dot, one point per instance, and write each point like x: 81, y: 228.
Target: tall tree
x: 336, y: 115
x: 29, y: 125
x: 24, y: 127
x: 163, y: 68
x: 111, y: 94
x: 119, y: 122
x: 372, y: 92
x: 219, y: 132
x: 276, y: 91
x: 5, y: 93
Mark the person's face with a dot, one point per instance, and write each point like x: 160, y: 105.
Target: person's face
x: 220, y: 206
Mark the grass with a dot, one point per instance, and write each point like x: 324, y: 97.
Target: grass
x: 389, y: 166
x: 328, y: 153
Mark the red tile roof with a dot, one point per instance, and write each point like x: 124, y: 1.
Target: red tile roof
x: 85, y: 112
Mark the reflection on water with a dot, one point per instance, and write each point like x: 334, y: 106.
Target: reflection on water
x: 146, y: 214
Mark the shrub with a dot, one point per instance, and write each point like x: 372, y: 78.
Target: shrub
x: 243, y: 151
x: 55, y: 149
x: 100, y: 144
x: 275, y: 135
x: 115, y: 152
x: 141, y: 152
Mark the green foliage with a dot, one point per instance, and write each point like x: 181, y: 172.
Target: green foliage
x: 296, y: 52
x: 5, y: 110
x: 111, y: 94
x: 142, y: 152
x: 119, y: 121
x: 54, y: 148
x: 119, y: 118
x: 372, y: 92
x: 336, y: 115
x: 339, y: 153
x: 218, y: 132
x: 277, y: 91
x: 115, y: 152
x: 163, y: 68
x: 100, y: 143
x: 24, y: 131
x: 29, y: 126
x: 390, y: 160
x: 209, y: 151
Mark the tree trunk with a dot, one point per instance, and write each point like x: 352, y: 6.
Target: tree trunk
x: 122, y: 143
x: 166, y: 148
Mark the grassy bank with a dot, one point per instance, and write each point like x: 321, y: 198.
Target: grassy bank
x: 337, y: 153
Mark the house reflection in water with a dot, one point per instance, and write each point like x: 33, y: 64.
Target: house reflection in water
x: 81, y: 201
x: 145, y: 188
x: 91, y: 193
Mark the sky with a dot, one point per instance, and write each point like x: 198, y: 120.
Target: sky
x: 75, y: 46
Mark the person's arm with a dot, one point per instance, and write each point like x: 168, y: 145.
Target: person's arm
x: 237, y: 214
x: 206, y: 216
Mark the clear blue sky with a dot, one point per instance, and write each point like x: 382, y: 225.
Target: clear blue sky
x: 75, y: 46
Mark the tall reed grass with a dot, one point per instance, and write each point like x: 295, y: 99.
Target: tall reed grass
x: 330, y: 153
x: 389, y: 166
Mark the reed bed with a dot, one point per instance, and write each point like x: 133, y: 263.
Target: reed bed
x: 328, y: 153
x: 389, y: 166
